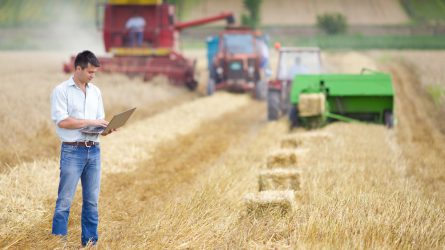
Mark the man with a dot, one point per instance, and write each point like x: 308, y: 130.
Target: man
x: 135, y: 26
x: 75, y: 104
x: 297, y: 68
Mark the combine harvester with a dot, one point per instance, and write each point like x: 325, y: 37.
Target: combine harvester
x: 158, y: 54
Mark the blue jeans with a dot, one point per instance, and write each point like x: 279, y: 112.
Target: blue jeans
x: 78, y: 162
x: 136, y: 38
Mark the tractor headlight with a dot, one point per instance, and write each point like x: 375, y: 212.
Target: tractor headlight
x: 219, y: 70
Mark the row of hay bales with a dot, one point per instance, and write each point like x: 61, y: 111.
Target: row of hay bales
x: 280, y: 181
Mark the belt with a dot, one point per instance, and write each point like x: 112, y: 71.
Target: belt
x: 82, y: 143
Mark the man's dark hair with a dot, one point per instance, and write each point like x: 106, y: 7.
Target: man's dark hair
x: 84, y: 58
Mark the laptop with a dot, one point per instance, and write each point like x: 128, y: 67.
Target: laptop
x: 116, y: 122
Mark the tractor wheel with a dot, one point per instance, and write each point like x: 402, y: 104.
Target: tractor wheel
x: 260, y: 90
x: 191, y: 85
x: 211, y: 86
x: 389, y: 119
x: 293, y: 116
x: 273, y: 105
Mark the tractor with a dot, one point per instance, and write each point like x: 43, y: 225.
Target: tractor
x: 158, y: 54
x: 291, y: 61
x: 236, y: 61
x: 319, y: 98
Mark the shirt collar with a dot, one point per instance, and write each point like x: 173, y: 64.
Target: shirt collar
x: 71, y: 82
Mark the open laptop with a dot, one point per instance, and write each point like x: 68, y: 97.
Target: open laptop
x: 116, y: 122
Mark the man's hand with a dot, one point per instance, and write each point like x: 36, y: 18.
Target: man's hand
x: 98, y: 123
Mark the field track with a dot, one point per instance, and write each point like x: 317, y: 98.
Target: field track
x: 419, y: 131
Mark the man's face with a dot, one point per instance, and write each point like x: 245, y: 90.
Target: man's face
x: 87, y: 74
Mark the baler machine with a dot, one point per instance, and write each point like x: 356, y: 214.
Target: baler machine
x: 319, y: 98
x: 158, y: 55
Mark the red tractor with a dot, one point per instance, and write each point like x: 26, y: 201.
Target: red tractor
x: 291, y: 62
x: 236, y: 61
x: 157, y: 54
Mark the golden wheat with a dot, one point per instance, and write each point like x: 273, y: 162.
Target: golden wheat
x: 180, y: 182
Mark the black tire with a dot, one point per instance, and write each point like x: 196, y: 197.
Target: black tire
x: 389, y: 119
x: 260, y: 90
x: 191, y: 85
x: 273, y: 105
x: 211, y: 86
x: 293, y: 116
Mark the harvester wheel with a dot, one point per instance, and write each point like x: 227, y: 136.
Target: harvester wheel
x: 389, y: 119
x: 273, y: 104
x: 211, y: 86
x: 260, y: 90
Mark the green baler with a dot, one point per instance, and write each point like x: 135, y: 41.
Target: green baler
x: 347, y: 97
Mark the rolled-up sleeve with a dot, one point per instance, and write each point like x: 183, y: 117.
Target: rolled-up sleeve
x: 59, y: 107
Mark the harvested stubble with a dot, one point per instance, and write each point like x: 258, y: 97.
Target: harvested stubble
x: 310, y: 137
x: 263, y: 202
x: 120, y: 152
x: 311, y: 104
x: 279, y: 179
x: 285, y: 158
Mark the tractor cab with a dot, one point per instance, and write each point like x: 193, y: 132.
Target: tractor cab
x: 292, y: 61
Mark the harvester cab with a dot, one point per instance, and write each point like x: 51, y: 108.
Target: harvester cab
x: 292, y: 61
x: 156, y: 51
x: 319, y: 98
x: 237, y: 61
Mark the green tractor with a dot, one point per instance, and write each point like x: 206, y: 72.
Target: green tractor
x: 319, y: 98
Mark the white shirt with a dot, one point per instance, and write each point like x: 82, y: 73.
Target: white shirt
x: 68, y: 100
x: 136, y: 23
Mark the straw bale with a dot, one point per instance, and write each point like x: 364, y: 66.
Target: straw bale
x: 311, y: 104
x: 282, y: 202
x: 279, y: 179
x: 291, y: 141
x: 285, y: 158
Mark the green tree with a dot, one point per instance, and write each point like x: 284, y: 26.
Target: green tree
x: 332, y: 23
x: 252, y: 17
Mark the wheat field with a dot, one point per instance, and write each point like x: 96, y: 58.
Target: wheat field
x: 27, y: 79
x: 179, y: 182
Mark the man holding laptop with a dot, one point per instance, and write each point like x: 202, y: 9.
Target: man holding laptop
x: 75, y: 104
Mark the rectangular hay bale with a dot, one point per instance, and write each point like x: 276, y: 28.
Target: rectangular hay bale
x: 311, y: 104
x: 279, y: 179
x: 284, y: 158
x: 282, y: 202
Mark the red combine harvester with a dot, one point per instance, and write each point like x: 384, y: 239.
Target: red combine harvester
x: 158, y: 54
